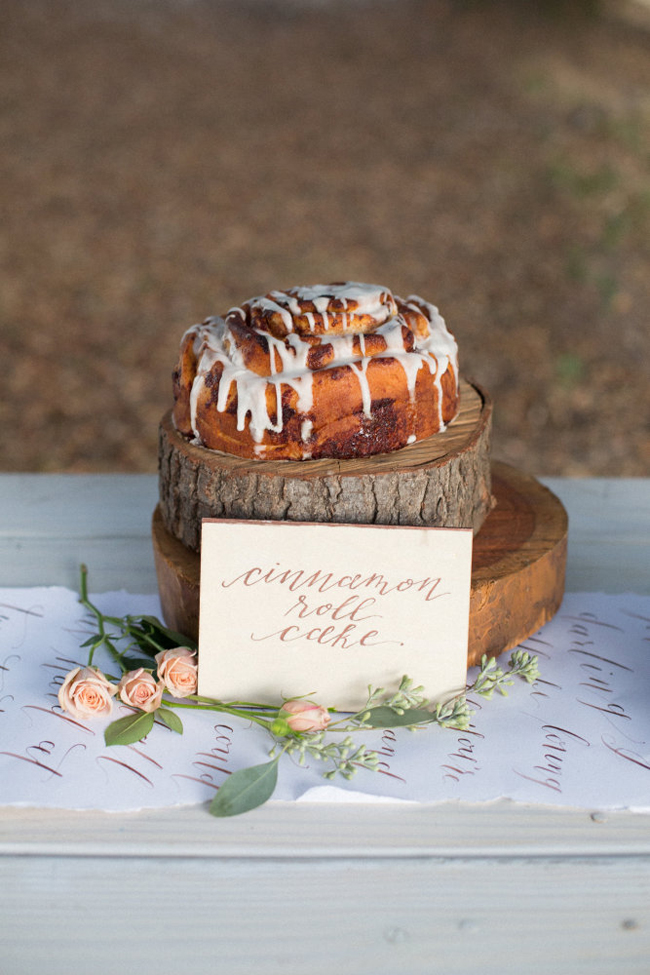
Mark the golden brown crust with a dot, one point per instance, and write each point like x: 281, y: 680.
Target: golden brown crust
x: 332, y: 371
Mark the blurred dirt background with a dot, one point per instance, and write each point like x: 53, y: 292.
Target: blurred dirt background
x: 164, y: 160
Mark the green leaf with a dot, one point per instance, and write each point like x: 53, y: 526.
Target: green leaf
x: 126, y: 731
x: 134, y: 663
x: 95, y: 639
x: 246, y: 789
x: 385, y: 717
x: 171, y: 719
x: 172, y: 637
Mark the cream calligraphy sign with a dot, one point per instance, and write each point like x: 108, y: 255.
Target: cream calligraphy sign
x: 292, y: 609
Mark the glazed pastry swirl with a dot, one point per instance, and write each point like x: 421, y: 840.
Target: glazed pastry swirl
x: 328, y: 371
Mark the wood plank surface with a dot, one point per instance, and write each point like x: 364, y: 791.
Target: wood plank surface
x: 417, y: 917
x: 51, y: 523
x: 500, y: 830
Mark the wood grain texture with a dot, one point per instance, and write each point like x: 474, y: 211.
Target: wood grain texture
x: 418, y: 917
x: 500, y: 830
x: 444, y: 480
x: 518, y: 567
x: 518, y: 564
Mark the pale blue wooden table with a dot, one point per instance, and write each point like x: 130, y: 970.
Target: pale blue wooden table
x: 356, y: 889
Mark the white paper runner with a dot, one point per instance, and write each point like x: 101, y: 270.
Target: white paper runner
x: 578, y: 737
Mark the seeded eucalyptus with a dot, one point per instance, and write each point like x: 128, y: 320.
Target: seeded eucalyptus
x: 407, y: 707
x: 491, y: 678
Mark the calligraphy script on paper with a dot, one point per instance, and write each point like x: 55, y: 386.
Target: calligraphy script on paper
x: 49, y: 758
x: 52, y: 740
x: 579, y: 736
x: 295, y: 609
x: 344, y: 619
x: 601, y: 679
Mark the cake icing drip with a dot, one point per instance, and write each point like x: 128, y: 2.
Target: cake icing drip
x: 283, y: 339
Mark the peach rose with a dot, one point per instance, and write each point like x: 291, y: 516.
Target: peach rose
x: 304, y: 716
x: 140, y: 690
x: 86, y: 693
x: 177, y: 669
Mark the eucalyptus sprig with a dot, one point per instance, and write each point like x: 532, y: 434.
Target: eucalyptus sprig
x: 345, y: 756
x: 406, y: 708
x: 492, y: 678
x: 405, y: 697
x: 146, y: 651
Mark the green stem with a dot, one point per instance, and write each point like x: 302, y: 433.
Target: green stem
x: 99, y: 616
x: 356, y: 716
x: 236, y: 704
x: 253, y: 704
x: 84, y: 583
x: 141, y: 634
x: 221, y: 709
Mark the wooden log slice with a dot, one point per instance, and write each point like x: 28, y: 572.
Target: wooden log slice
x: 518, y: 564
x: 441, y: 481
x: 518, y: 567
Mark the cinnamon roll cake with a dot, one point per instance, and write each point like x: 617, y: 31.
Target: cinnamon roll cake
x: 341, y: 370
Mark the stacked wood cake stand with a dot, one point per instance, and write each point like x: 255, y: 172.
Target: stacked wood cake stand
x: 520, y: 541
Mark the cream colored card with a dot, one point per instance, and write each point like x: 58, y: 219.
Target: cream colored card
x: 293, y: 608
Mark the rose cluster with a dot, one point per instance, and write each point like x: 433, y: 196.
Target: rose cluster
x: 87, y: 693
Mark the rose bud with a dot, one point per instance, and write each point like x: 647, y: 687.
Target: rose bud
x: 177, y: 669
x: 140, y: 690
x: 304, y: 716
x: 86, y: 693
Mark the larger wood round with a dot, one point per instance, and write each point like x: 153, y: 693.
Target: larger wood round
x: 444, y: 480
x: 518, y: 567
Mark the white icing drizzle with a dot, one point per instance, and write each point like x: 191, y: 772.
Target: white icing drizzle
x: 215, y: 343
x: 367, y: 299
x: 361, y: 369
x: 268, y: 305
x: 440, y: 346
